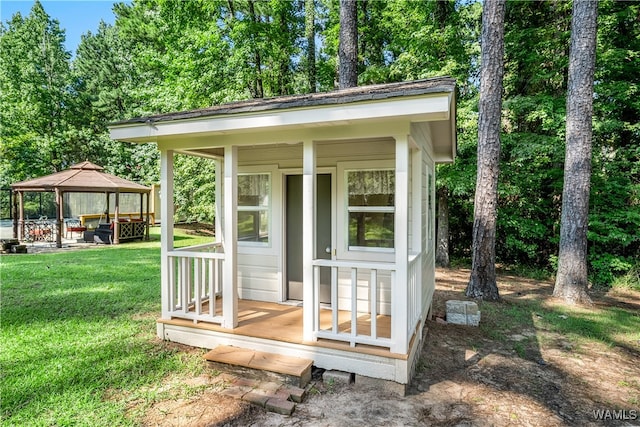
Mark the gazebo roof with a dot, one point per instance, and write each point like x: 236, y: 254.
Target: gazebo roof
x: 84, y: 177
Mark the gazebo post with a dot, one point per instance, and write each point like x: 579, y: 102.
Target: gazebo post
x: 14, y: 216
x: 147, y: 221
x: 108, y: 210
x: 59, y: 218
x: 116, y: 219
x: 21, y: 220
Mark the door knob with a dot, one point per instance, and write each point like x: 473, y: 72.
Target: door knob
x: 328, y: 249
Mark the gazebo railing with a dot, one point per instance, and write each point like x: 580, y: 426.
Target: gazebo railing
x: 41, y: 230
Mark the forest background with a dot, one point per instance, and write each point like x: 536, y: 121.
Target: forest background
x: 168, y: 55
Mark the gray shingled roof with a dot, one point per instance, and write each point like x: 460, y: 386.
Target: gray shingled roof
x: 344, y: 96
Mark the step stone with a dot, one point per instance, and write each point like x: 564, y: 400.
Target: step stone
x: 274, y: 391
x: 280, y: 406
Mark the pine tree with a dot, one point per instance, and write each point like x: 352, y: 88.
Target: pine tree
x: 348, y: 45
x: 482, y: 283
x: 572, y: 278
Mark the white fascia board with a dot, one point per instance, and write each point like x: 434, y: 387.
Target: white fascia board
x: 419, y: 108
x: 360, y: 130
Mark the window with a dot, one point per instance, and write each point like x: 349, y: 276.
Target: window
x: 429, y: 200
x: 254, y: 194
x: 370, y: 208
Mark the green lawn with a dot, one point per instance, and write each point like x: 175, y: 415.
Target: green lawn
x: 78, y: 346
x: 77, y: 335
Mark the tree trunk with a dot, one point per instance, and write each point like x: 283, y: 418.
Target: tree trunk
x: 572, y: 278
x: 364, y: 25
x: 442, y: 250
x: 258, y: 88
x: 310, y: 35
x: 348, y: 45
x: 482, y: 283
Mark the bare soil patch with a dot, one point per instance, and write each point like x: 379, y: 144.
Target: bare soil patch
x: 523, y: 376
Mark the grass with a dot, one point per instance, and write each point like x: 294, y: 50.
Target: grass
x: 609, y: 325
x: 78, y: 346
x: 78, y: 335
x: 631, y: 280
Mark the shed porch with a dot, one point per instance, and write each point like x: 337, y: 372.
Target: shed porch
x: 277, y: 328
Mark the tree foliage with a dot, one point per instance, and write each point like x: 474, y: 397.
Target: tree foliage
x: 34, y: 82
x: 171, y: 55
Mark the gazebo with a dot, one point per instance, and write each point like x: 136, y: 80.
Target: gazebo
x: 84, y: 177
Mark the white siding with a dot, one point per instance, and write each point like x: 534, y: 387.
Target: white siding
x: 364, y: 276
x: 422, y: 135
x: 259, y: 277
x: 289, y: 156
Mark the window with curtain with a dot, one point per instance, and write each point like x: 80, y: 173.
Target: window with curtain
x: 254, y: 195
x: 371, y: 208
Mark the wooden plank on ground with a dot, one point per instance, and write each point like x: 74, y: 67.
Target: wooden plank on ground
x: 291, y: 366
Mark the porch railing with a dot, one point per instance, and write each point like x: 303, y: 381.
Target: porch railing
x: 414, y: 293
x: 195, y: 281
x: 362, y: 325
x: 364, y: 314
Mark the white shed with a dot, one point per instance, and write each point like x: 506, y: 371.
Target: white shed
x: 325, y: 225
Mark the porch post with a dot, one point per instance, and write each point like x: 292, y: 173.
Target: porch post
x: 230, y: 239
x: 166, y: 230
x: 308, y: 239
x: 399, y: 300
x: 218, y: 201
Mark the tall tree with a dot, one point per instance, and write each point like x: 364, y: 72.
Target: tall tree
x: 482, y: 283
x: 34, y: 94
x: 310, y: 36
x: 348, y: 45
x: 572, y: 278
x: 442, y: 234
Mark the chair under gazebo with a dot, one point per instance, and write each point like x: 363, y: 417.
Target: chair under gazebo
x: 84, y: 177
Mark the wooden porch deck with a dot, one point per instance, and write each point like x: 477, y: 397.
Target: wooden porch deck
x: 283, y: 322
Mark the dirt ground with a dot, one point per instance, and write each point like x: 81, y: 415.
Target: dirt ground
x: 466, y: 377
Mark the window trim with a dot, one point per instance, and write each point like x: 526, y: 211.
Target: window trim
x: 269, y: 209
x: 343, y: 250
